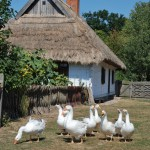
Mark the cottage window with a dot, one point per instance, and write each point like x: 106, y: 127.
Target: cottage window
x: 103, y: 75
x: 43, y: 2
x: 113, y: 77
x: 63, y: 68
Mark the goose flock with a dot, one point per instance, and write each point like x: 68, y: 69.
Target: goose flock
x: 77, y: 129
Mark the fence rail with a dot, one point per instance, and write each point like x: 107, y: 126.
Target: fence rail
x: 133, y: 89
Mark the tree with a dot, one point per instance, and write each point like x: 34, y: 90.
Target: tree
x: 136, y: 51
x: 105, y: 21
x: 5, y: 12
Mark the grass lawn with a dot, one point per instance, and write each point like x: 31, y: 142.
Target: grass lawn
x: 139, y: 111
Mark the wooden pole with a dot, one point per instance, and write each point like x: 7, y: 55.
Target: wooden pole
x: 1, y: 96
x: 130, y: 90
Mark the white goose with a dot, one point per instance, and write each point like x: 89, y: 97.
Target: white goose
x: 32, y: 127
x: 91, y: 123
x: 107, y: 127
x: 127, y: 129
x: 75, y: 128
x: 60, y: 119
x: 119, y: 123
x: 97, y: 117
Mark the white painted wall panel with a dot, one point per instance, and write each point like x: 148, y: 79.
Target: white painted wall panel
x: 79, y: 74
x: 100, y: 90
x: 96, y: 80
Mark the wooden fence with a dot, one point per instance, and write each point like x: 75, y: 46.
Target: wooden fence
x: 39, y: 99
x: 133, y: 89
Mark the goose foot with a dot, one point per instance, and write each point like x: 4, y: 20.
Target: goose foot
x: 72, y: 142
x: 38, y: 139
x: 61, y: 134
x: 30, y: 141
x: 81, y: 141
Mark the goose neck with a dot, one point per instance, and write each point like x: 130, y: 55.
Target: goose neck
x: 21, y: 130
x: 91, y: 113
x: 68, y: 117
x: 120, y: 117
x: 127, y: 118
x: 96, y: 112
x: 60, y: 111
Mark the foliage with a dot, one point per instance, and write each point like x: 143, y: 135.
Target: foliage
x: 22, y: 68
x: 5, y: 12
x: 136, y: 52
x: 105, y: 21
x: 5, y: 120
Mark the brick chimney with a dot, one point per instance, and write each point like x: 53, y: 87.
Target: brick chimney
x: 74, y: 5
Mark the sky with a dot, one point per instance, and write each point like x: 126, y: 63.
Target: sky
x: 123, y: 7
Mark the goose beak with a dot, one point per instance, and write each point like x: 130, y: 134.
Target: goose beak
x: 65, y: 109
x: 102, y: 114
x: 63, y: 114
x: 15, y: 141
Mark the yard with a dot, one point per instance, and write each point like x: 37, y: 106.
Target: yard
x: 139, y: 111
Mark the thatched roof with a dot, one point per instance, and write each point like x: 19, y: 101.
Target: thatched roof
x: 64, y: 36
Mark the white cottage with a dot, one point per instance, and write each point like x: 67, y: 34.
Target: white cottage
x: 55, y: 26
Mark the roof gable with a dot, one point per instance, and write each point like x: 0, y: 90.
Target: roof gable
x: 43, y: 8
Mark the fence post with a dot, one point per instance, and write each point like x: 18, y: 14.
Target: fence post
x: 130, y: 90
x: 1, y: 96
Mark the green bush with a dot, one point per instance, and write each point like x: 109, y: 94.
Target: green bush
x: 5, y: 120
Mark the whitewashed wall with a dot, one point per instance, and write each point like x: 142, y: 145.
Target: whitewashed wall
x: 100, y: 90
x: 91, y: 76
x: 79, y: 74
